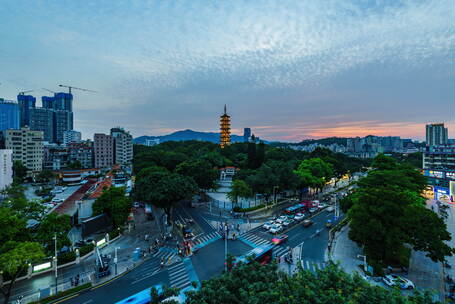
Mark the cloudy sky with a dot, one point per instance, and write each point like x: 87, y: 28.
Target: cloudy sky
x: 289, y: 69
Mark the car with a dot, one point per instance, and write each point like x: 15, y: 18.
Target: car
x: 57, y: 200
x: 322, y: 205
x: 275, y: 228
x: 281, y: 219
x: 313, y: 209
x: 287, y: 222
x: 330, y: 209
x: 279, y: 239
x: 307, y: 223
x: 136, y: 205
x: 268, y: 225
x: 395, y: 280
x: 299, y: 217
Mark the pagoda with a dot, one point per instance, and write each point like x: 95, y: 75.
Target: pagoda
x: 225, y: 129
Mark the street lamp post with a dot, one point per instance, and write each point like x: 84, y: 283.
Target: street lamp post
x: 56, y: 262
x: 274, y: 194
x: 225, y: 247
x: 115, y: 260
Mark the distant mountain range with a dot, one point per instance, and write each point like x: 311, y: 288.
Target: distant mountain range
x: 188, y: 135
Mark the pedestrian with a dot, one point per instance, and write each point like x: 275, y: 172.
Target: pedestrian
x: 238, y: 227
x: 220, y: 213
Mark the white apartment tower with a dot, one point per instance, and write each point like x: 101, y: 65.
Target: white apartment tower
x: 6, y: 168
x: 123, y: 146
x: 27, y: 147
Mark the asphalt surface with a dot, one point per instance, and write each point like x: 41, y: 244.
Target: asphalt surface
x: 208, y: 261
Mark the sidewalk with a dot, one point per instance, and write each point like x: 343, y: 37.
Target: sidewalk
x: 126, y: 245
x: 345, y: 251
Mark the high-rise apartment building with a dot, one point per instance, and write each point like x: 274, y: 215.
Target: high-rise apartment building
x: 71, y: 136
x: 123, y: 146
x: 225, y: 129
x: 26, y: 102
x: 246, y: 134
x: 63, y: 121
x: 436, y: 135
x: 27, y: 146
x: 63, y: 101
x: 103, y: 150
x: 82, y: 152
x: 6, y: 168
x: 42, y: 119
x: 9, y: 115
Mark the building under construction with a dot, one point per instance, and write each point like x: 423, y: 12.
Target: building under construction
x: 225, y: 129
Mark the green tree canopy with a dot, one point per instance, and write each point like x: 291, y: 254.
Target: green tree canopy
x: 253, y: 283
x: 19, y: 171
x: 51, y: 225
x: 75, y: 165
x: 387, y: 213
x: 240, y: 189
x: 314, y: 172
x: 201, y: 171
x: 115, y: 204
x: 164, y: 189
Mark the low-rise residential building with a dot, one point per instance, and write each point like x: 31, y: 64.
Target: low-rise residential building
x: 82, y: 152
x: 55, y: 157
x: 6, y: 168
x: 27, y: 146
x: 103, y: 150
x: 439, y: 157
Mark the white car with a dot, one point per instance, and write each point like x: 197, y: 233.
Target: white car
x: 287, y: 222
x: 281, y: 219
x: 299, y: 216
x: 314, y: 209
x: 275, y: 228
x: 330, y: 209
x: 268, y: 225
x: 57, y: 200
x: 395, y: 280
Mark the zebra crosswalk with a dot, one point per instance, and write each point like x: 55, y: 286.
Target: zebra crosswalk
x: 279, y: 251
x: 178, y: 276
x: 183, y: 221
x: 205, y: 238
x: 165, y: 253
x: 253, y: 240
x: 312, y: 266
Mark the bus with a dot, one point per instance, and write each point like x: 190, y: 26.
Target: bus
x: 295, y: 209
x: 143, y: 297
x: 261, y: 254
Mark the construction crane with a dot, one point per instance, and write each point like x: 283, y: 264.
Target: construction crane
x: 70, y: 87
x: 22, y: 93
x: 48, y: 90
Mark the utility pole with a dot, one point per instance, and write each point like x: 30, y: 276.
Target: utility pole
x: 115, y: 260
x: 56, y: 263
x: 225, y: 247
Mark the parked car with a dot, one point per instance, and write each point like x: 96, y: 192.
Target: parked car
x: 395, y: 280
x: 268, y: 225
x: 330, y: 209
x: 275, y: 228
x: 313, y: 209
x: 281, y: 219
x: 57, y: 200
x: 279, y: 239
x: 307, y: 223
x: 299, y: 217
x: 287, y: 222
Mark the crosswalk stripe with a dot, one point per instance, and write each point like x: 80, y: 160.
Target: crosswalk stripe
x: 176, y: 266
x: 176, y: 273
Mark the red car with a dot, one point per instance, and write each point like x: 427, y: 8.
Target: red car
x: 279, y: 239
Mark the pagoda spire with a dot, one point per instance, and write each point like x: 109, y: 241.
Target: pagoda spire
x: 225, y: 109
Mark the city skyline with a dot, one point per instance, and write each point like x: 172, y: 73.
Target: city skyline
x: 288, y: 72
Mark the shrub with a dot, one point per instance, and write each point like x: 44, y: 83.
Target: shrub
x: 238, y: 209
x: 63, y: 294
x: 86, y: 249
x: 66, y: 257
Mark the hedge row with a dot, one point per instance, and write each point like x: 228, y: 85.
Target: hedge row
x: 238, y: 209
x: 63, y: 294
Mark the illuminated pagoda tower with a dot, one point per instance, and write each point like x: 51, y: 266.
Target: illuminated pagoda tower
x: 225, y: 129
